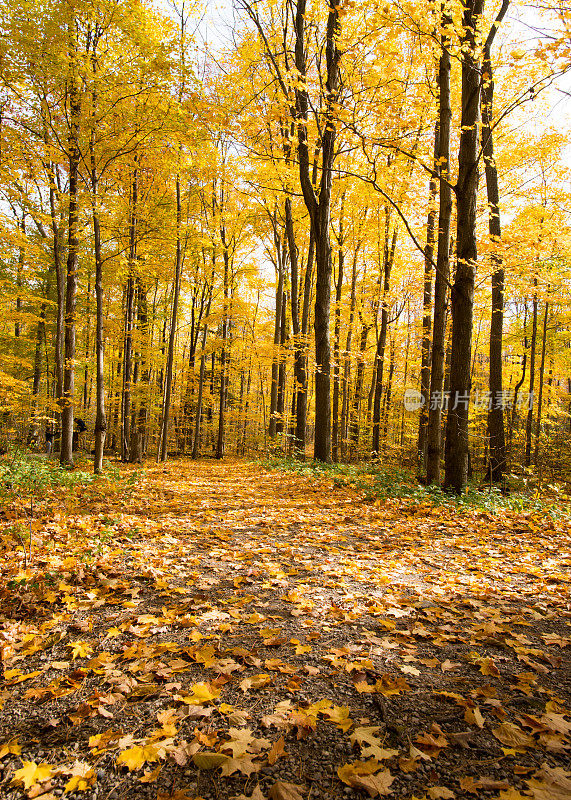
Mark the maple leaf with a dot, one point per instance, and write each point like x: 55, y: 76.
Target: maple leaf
x: 255, y: 682
x: 83, y: 776
x: 360, y: 775
x: 136, y: 756
x: 347, y: 772
x: 550, y: 783
x: 474, y: 717
x: 282, y: 790
x: 389, y: 685
x: 473, y: 785
x: 151, y: 777
x: 513, y: 736
x: 340, y: 716
x: 256, y: 795
x: 210, y: 760
x: 277, y: 751
x: 371, y: 746
x: 244, y: 764
x: 440, y: 793
x: 80, y: 649
x: 31, y: 773
x: 201, y: 693
x: 11, y: 747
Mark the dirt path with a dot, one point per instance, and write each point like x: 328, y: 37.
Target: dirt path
x: 221, y: 628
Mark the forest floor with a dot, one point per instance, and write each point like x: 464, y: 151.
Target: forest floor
x: 217, y: 630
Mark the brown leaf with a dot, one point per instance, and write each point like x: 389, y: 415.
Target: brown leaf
x: 513, y: 736
x: 277, y: 750
x: 374, y: 785
x: 281, y: 790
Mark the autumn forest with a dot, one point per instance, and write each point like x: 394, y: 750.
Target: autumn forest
x: 285, y: 399
x: 278, y: 244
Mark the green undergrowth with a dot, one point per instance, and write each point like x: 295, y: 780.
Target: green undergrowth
x: 26, y: 474
x: 377, y: 482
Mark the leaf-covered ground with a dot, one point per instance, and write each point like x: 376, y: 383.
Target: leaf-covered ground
x: 219, y: 631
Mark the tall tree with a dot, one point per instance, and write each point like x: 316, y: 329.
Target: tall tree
x: 462, y: 294
x: 496, y: 431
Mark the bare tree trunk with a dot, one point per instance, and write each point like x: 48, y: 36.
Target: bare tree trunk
x: 280, y: 266
x: 388, y: 392
x: 435, y: 397
x: 19, y: 278
x: 301, y: 374
x: 462, y: 296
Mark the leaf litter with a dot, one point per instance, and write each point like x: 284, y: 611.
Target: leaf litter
x: 226, y: 632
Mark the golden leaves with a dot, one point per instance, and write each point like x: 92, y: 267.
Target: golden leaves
x: 31, y: 773
x: 202, y: 693
x: 136, y: 756
x: 10, y: 748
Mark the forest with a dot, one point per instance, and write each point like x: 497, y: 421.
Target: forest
x: 337, y: 232
x: 285, y: 400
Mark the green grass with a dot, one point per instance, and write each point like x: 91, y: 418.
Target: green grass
x: 377, y: 482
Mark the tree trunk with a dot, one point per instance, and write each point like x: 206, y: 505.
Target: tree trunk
x: 139, y: 427
x: 389, y: 253
x: 358, y: 395
x: 300, y: 345
x: 425, y: 350
x: 529, y: 419
x: 172, y: 332
x: 100, y: 417
x: 276, y: 357
x: 337, y: 350
x: 462, y: 295
x: 129, y: 321
x: 87, y: 345
x: 519, y: 384
x: 34, y: 429
x: 496, y: 431
x: 280, y: 408
x: 66, y: 451
x: 541, y: 376
x: 435, y: 397
x: 302, y: 354
x: 347, y: 357
x: 318, y: 207
x: 220, y: 442
x: 198, y: 415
